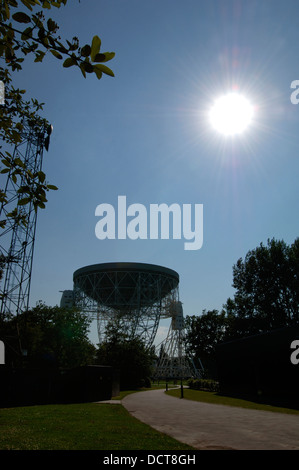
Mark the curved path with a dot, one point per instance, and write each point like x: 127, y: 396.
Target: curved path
x: 207, y: 426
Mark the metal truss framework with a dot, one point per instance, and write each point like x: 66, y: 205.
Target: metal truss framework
x: 138, y: 307
x: 17, y: 240
x: 137, y: 299
x: 173, y: 360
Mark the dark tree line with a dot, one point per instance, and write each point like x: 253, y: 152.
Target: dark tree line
x: 47, y: 337
x: 57, y: 338
x: 267, y: 289
x: 128, y: 355
x: 266, y: 298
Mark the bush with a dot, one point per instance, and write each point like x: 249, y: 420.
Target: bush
x: 146, y: 383
x: 203, y: 384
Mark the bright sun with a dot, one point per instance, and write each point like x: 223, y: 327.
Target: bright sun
x: 231, y: 114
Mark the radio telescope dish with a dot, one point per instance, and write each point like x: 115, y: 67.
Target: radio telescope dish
x: 138, y: 295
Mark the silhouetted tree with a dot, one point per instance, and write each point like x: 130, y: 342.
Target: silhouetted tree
x: 267, y: 290
x: 51, y: 336
x: 203, y: 333
x: 126, y: 354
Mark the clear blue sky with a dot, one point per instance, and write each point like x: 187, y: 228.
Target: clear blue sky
x: 144, y: 134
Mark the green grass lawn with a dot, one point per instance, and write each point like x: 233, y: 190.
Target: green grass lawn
x: 212, y: 397
x: 92, y: 426
x: 87, y: 426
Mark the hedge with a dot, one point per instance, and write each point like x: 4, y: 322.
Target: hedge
x: 203, y: 384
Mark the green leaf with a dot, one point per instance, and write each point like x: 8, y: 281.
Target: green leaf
x: 24, y: 201
x: 82, y: 70
x: 86, y: 50
x: 72, y: 46
x: 6, y: 162
x: 46, y: 4
x: 103, y: 69
x: 7, y: 11
x: 104, y: 57
x: 56, y: 54
x: 37, y: 22
x: 98, y: 73
x: 69, y: 62
x: 51, y: 25
x: 23, y: 189
x: 19, y: 162
x: 42, y: 197
x: 21, y: 17
x: 99, y: 58
x: 87, y: 66
x: 95, y: 47
x: 27, y: 4
x: 27, y: 33
x: 52, y: 187
x: 41, y: 176
x: 39, y: 56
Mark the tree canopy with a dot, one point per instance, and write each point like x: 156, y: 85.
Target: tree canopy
x: 48, y: 337
x: 203, y: 333
x: 128, y: 355
x: 267, y: 289
x: 27, y: 29
x: 266, y: 298
x: 40, y: 35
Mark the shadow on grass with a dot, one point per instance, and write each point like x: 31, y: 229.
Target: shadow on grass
x: 239, y: 400
x: 263, y: 399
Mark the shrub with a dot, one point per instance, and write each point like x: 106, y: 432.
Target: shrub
x: 203, y: 384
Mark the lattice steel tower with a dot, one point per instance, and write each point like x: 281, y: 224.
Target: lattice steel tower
x: 17, y: 240
x: 173, y: 360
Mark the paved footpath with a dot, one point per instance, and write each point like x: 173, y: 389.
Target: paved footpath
x: 212, y: 427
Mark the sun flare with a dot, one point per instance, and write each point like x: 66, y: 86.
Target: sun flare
x: 231, y: 114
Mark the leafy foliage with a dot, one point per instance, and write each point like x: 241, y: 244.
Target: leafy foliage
x: 267, y: 289
x: 203, y: 384
x: 203, y: 333
x: 40, y: 35
x: 266, y: 298
x: 31, y: 33
x: 52, y: 337
x: 14, y: 114
x: 128, y: 355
